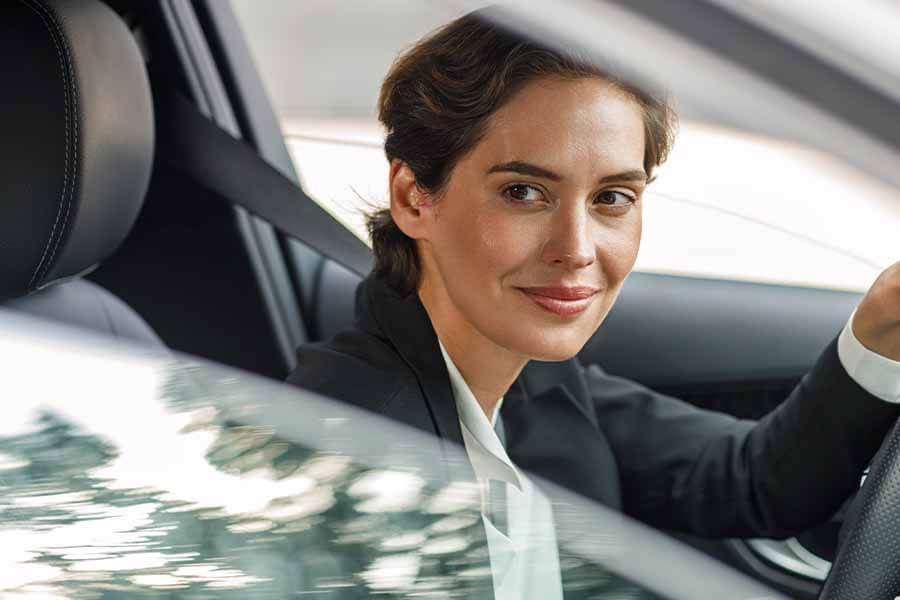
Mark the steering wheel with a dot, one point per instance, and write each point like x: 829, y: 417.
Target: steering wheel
x: 868, y: 562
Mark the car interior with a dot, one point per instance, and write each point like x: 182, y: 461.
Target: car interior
x: 100, y: 231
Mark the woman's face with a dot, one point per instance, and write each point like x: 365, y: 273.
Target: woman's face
x: 539, y: 224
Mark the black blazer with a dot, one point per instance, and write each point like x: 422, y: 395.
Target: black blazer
x: 657, y: 458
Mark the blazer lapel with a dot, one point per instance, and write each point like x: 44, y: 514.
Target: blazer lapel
x: 552, y: 433
x: 550, y: 426
x: 405, y: 323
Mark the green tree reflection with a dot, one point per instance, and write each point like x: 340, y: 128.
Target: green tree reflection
x: 83, y: 535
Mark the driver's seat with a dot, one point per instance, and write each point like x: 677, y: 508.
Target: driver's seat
x: 75, y: 158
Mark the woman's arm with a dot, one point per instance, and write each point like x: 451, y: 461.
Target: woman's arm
x: 709, y: 474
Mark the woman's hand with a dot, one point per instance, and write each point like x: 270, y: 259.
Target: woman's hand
x: 877, y: 321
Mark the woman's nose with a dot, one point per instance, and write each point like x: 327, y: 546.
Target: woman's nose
x: 571, y: 241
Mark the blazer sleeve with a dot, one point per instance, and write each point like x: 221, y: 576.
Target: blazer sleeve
x: 709, y: 474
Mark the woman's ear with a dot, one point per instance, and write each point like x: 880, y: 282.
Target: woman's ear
x: 409, y: 203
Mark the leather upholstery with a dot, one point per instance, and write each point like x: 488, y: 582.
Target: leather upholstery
x: 866, y: 563
x: 77, y: 145
x: 87, y: 305
x: 75, y: 158
x: 327, y: 290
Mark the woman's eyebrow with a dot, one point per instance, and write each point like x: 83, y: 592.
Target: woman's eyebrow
x: 633, y: 175
x: 526, y: 168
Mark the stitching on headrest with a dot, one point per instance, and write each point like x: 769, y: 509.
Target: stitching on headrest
x: 71, y: 106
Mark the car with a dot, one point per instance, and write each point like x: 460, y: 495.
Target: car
x: 162, y: 510
x: 136, y: 472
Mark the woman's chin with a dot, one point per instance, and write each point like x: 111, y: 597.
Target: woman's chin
x: 550, y: 348
x: 555, y: 354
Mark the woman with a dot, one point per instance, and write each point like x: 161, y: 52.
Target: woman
x: 516, y: 182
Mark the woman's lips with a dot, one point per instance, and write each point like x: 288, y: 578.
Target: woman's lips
x: 565, y: 302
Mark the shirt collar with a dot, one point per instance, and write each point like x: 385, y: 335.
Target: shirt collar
x: 488, y: 457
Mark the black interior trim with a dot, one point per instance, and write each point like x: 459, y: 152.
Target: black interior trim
x: 252, y: 108
x: 273, y: 281
x: 259, y: 123
x: 185, y: 267
x: 677, y: 332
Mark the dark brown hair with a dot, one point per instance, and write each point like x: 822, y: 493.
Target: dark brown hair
x: 436, y: 101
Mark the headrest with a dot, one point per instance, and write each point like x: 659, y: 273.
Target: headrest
x: 76, y: 139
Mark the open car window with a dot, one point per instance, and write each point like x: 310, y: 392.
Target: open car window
x: 143, y: 472
x: 740, y: 199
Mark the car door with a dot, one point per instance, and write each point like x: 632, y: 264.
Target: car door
x: 141, y: 473
x: 739, y: 286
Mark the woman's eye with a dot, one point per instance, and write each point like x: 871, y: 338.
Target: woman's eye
x: 523, y: 194
x: 614, y: 198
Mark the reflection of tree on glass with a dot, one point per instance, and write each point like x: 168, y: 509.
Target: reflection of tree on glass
x: 89, y: 533
x: 92, y: 518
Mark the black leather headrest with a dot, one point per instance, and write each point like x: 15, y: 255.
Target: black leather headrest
x: 76, y: 139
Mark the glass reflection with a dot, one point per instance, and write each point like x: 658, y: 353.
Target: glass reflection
x: 203, y: 505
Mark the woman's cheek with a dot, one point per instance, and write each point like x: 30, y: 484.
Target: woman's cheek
x: 619, y: 249
x: 636, y: 232
x: 502, y: 242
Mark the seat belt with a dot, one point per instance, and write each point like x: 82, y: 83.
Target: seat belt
x: 192, y: 144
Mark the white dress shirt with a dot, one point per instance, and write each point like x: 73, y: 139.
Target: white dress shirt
x: 877, y: 374
x: 524, y: 563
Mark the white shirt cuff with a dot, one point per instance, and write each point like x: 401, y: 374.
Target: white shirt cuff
x: 877, y: 374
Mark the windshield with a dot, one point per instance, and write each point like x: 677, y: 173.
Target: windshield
x: 142, y: 472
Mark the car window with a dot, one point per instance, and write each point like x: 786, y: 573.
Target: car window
x: 730, y: 203
x: 143, y: 473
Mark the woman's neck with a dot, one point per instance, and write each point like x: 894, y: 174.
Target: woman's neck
x: 488, y: 369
